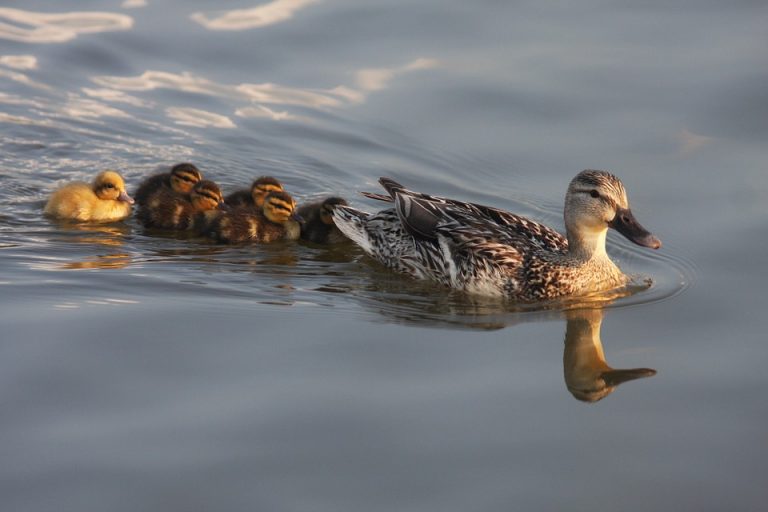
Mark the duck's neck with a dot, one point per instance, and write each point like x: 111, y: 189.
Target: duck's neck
x: 587, y: 245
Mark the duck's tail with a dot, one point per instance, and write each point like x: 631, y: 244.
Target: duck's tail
x: 352, y: 223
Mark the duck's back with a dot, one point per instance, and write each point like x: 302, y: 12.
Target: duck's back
x: 77, y: 201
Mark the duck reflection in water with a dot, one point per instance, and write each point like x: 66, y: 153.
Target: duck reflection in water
x: 587, y: 375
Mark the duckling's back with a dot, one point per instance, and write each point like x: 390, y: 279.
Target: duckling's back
x: 151, y: 185
x: 166, y: 209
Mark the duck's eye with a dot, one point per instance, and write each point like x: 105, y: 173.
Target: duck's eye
x: 594, y: 193
x: 109, y: 185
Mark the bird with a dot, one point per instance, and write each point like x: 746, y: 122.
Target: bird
x: 318, y: 226
x: 181, y: 178
x: 103, y: 200
x: 488, y: 251
x: 167, y: 209
x: 276, y: 220
x: 256, y: 194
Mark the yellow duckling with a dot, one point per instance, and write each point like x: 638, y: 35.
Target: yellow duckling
x: 277, y: 220
x: 181, y: 179
x: 318, y: 226
x: 256, y: 194
x: 169, y: 210
x: 104, y: 200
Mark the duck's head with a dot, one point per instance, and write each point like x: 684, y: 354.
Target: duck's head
x: 596, y: 201
x: 110, y: 185
x: 206, y: 195
x: 184, y: 177
x: 263, y: 186
x: 279, y: 207
x: 327, y: 207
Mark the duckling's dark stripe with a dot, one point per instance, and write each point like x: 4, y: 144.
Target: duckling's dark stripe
x: 269, y: 188
x: 281, y: 206
x: 211, y: 196
x: 189, y: 178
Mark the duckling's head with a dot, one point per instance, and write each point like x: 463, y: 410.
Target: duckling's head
x: 596, y: 201
x: 184, y: 176
x: 279, y: 207
x: 327, y: 207
x: 263, y: 186
x: 110, y: 185
x: 206, y: 195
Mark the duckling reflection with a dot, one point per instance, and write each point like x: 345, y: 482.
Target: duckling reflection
x: 587, y: 375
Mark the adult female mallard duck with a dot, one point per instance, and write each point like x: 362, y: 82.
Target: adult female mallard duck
x: 276, y: 220
x: 318, y: 226
x: 167, y: 209
x: 255, y: 195
x: 104, y: 200
x: 488, y: 251
x: 181, y: 178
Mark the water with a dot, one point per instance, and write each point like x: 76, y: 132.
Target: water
x: 146, y: 372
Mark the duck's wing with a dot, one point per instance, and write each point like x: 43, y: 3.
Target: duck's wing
x: 421, y: 214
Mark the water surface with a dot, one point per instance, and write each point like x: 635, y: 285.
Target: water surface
x: 160, y: 372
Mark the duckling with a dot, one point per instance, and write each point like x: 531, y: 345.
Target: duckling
x: 318, y: 226
x: 487, y: 251
x: 169, y: 210
x: 181, y: 178
x: 256, y: 194
x: 104, y: 200
x: 277, y: 220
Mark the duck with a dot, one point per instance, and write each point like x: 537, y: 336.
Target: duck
x: 318, y: 226
x: 167, y: 209
x: 276, y: 220
x: 488, y: 251
x: 103, y: 200
x: 255, y: 195
x: 181, y: 178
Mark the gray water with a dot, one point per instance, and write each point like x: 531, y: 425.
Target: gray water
x: 147, y: 372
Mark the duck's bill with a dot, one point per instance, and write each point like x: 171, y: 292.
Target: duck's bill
x: 626, y: 224
x: 224, y: 207
x: 298, y: 218
x: 125, y: 197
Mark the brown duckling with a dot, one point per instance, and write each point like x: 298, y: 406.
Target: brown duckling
x: 256, y: 194
x: 318, y: 226
x: 181, y: 178
x: 169, y: 210
x: 277, y: 220
x: 104, y: 200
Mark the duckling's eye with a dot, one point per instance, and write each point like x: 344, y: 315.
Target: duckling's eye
x: 109, y: 185
x: 594, y: 193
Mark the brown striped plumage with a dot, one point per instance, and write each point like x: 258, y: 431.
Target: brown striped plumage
x: 167, y: 209
x: 181, y: 178
x: 317, y: 225
x: 255, y: 195
x: 276, y: 220
x: 488, y: 251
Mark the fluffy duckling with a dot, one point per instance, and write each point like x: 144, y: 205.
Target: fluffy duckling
x: 181, y: 179
x: 256, y: 194
x: 104, y: 200
x: 277, y: 220
x: 169, y: 210
x: 318, y: 226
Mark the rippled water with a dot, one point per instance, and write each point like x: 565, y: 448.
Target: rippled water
x: 142, y: 371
